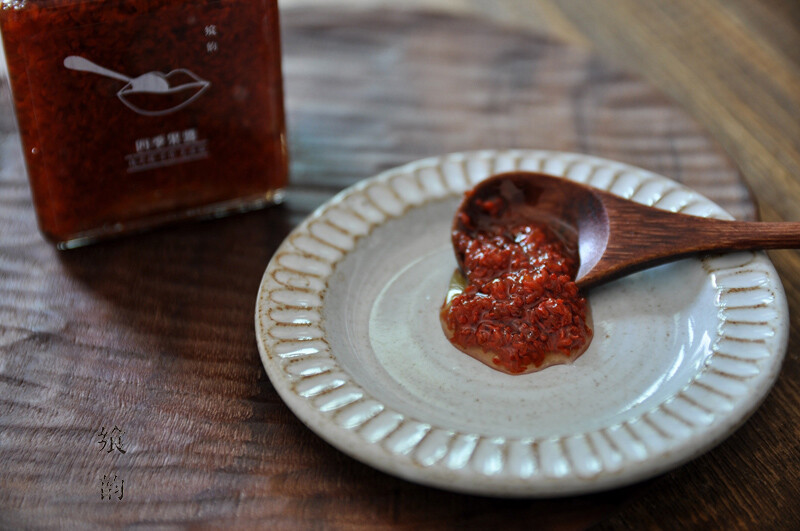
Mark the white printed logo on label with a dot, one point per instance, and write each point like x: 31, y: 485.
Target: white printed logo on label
x: 167, y: 149
x: 150, y: 94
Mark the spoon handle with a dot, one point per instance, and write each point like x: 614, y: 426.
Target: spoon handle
x: 685, y: 234
x: 75, y: 62
x: 744, y: 235
x: 645, y: 237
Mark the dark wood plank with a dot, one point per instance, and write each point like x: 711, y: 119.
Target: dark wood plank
x: 453, y: 86
x: 154, y: 333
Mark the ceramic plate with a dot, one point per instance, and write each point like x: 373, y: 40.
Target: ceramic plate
x: 348, y: 330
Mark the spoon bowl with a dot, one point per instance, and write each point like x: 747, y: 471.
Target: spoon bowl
x: 150, y: 82
x: 612, y: 236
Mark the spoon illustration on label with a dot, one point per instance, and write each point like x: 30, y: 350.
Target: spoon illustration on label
x: 152, y: 93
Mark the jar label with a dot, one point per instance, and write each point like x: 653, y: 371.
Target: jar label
x: 165, y: 108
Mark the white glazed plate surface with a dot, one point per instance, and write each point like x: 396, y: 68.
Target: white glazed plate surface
x: 348, y: 329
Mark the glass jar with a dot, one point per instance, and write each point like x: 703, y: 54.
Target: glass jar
x: 133, y: 113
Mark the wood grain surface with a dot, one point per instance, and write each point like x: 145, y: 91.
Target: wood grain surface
x: 154, y: 334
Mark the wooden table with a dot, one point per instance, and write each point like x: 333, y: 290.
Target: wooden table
x: 153, y: 334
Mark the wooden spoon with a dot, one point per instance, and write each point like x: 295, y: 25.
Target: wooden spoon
x: 615, y: 236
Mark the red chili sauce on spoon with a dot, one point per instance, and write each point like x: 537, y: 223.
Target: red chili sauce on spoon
x: 520, y: 310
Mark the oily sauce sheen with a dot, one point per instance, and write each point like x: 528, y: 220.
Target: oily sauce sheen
x: 520, y: 310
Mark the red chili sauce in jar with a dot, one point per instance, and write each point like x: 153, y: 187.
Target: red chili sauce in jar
x: 518, y: 310
x: 134, y: 113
